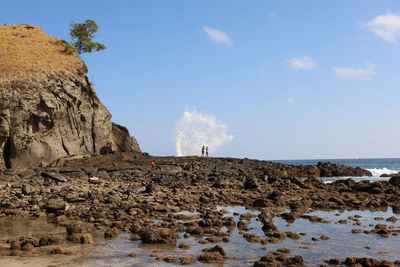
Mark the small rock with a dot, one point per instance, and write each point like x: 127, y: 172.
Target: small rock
x: 27, y: 189
x: 171, y: 259
x: 187, y: 260
x: 334, y: 262
x: 184, y: 246
x: 284, y: 250
x: 27, y: 247
x: 15, y: 245
x: 295, y: 261
x: 214, y: 254
x: 58, y: 250
x: 94, y: 180
x: 111, y: 233
x: 87, y: 239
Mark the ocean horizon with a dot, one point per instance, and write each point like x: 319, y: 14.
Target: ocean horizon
x: 377, y: 166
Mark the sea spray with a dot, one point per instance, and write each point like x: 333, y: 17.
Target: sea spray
x: 195, y: 129
x: 376, y: 172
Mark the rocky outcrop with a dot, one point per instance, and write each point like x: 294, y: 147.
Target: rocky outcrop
x: 327, y: 169
x: 55, y: 115
x: 123, y: 140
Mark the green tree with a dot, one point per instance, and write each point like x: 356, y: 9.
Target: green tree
x: 81, y: 35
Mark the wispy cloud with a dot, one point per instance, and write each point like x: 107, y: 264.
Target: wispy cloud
x: 352, y: 73
x: 217, y: 36
x: 386, y: 27
x: 304, y: 63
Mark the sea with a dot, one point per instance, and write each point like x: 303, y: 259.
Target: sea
x: 376, y: 166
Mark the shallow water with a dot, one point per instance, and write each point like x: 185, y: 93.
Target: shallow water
x: 342, y: 242
x: 15, y: 228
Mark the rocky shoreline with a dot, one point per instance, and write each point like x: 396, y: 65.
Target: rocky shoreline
x: 122, y: 192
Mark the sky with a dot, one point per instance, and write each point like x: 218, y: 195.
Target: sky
x: 266, y: 79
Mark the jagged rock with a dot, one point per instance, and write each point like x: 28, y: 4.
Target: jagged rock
x: 27, y: 189
x: 86, y: 238
x: 50, y: 111
x: 328, y: 169
x: 395, y: 180
x: 353, y: 261
x: 111, y: 233
x: 268, y: 260
x: 27, y: 247
x: 50, y: 240
x: 295, y: 261
x: 55, y: 205
x: 123, y: 140
x: 157, y: 235
x: 213, y: 254
x: 250, y: 183
x: 15, y: 245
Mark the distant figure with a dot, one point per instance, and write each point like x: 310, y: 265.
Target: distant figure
x: 202, y: 151
x: 153, y: 164
x: 206, y: 151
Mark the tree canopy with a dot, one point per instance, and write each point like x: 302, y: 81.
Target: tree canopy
x: 82, y: 35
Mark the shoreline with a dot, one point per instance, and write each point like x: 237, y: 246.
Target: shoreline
x: 129, y: 196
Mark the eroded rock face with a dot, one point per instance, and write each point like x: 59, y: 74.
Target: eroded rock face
x: 61, y: 119
x: 48, y: 108
x: 123, y: 140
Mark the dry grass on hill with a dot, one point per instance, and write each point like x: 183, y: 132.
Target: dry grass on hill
x: 28, y: 55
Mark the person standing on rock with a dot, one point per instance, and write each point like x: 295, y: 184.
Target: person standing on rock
x: 202, y: 151
x: 206, y: 151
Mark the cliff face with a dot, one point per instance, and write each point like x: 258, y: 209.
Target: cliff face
x: 48, y: 108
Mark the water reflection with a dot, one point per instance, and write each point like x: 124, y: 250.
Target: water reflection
x: 341, y: 243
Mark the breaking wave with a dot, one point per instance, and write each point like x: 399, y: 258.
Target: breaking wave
x: 378, y: 172
x: 195, y: 129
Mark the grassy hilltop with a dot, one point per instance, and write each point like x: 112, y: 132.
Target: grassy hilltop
x: 29, y: 55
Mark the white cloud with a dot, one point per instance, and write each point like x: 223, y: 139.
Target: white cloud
x: 386, y: 26
x: 304, y: 63
x: 217, y: 36
x: 195, y: 129
x: 363, y: 74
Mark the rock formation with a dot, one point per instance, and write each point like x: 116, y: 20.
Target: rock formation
x: 48, y: 107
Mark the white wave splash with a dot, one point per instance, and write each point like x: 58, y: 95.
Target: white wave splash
x: 195, y: 129
x: 378, y: 172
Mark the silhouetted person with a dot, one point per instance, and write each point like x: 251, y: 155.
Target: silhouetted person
x: 202, y: 151
x: 206, y: 151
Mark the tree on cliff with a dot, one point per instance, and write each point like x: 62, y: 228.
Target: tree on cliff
x: 81, y: 35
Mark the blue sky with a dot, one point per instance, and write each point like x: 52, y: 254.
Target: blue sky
x: 289, y: 79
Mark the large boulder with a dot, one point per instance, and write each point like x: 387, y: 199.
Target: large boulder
x: 395, y: 180
x: 157, y: 235
x: 48, y: 107
x: 328, y: 169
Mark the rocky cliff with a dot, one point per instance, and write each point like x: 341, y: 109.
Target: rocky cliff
x: 48, y: 108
